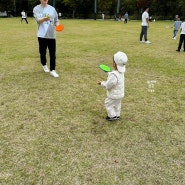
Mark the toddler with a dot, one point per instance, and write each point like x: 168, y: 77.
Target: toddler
x: 115, y: 86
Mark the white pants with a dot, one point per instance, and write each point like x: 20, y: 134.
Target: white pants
x: 113, y: 107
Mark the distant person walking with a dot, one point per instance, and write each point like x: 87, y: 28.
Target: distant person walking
x: 126, y: 17
x: 24, y: 16
x: 182, y: 36
x: 176, y: 26
x: 145, y: 26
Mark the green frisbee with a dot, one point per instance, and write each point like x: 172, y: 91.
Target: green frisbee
x: 105, y: 68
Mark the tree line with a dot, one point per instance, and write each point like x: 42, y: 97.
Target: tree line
x: 160, y: 9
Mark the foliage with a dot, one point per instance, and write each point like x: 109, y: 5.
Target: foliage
x: 6, y: 5
x: 85, y: 8
x: 105, y: 6
x: 128, y: 6
x: 181, y: 8
x: 33, y: 3
x: 144, y: 3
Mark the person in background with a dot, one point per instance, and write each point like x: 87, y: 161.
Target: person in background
x: 126, y: 17
x: 24, y: 16
x: 103, y: 16
x: 115, y: 86
x: 182, y: 37
x: 47, y: 18
x: 145, y: 26
x: 176, y: 27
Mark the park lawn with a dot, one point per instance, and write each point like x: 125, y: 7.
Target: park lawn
x: 53, y: 130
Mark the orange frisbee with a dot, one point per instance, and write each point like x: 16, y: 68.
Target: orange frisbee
x: 59, y: 27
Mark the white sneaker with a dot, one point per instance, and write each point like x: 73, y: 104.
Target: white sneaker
x: 54, y: 74
x: 142, y: 41
x: 148, y: 42
x: 45, y: 68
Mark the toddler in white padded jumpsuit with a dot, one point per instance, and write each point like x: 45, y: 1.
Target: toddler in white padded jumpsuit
x: 115, y: 86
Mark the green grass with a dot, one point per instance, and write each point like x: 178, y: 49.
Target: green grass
x: 53, y: 131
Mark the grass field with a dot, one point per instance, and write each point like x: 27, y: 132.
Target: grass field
x: 53, y: 130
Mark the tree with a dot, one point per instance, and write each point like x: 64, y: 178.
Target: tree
x: 181, y: 8
x: 167, y: 9
x: 164, y: 9
x: 141, y: 4
x: 73, y: 4
x: 144, y: 3
x: 32, y: 3
x: 129, y: 6
x: 107, y: 6
x: 6, y: 5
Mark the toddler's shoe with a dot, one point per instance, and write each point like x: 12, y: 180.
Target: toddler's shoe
x: 111, y: 118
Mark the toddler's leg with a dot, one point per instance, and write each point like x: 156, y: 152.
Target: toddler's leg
x: 118, y: 107
x: 110, y: 107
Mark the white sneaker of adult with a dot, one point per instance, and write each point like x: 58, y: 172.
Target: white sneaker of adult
x: 45, y: 68
x: 148, y: 42
x: 54, y: 74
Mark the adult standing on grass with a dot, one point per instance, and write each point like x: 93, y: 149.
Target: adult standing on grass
x: 145, y: 26
x: 176, y: 26
x: 24, y: 16
x: 182, y: 36
x: 47, y: 18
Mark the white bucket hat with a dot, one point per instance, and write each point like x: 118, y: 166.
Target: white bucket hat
x: 120, y: 59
